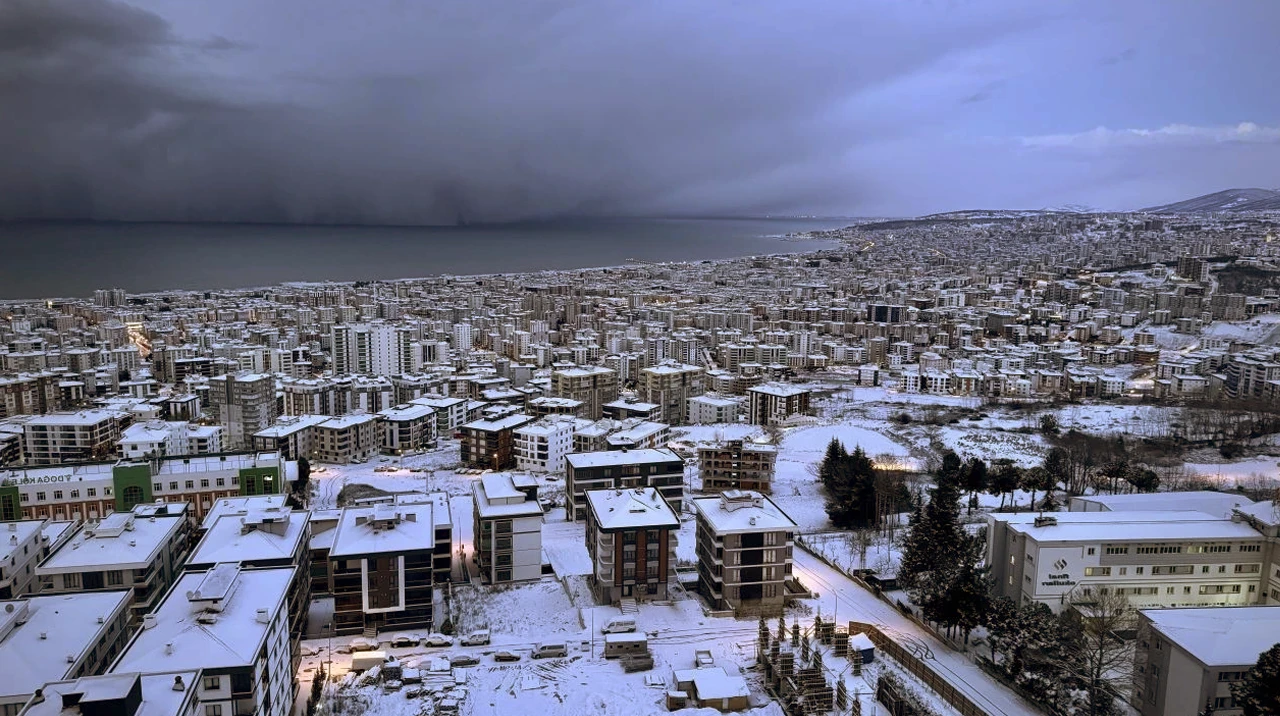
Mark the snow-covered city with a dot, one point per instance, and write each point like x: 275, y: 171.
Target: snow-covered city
x: 1005, y: 463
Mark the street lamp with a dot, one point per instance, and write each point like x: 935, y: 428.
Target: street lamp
x: 328, y: 673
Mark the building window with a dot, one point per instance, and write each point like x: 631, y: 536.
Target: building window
x: 132, y: 496
x: 220, y: 482
x: 212, y: 683
x: 71, y: 581
x: 1117, y: 550
x: 115, y: 577
x: 40, y: 497
x: 173, y: 486
x: 1092, y: 550
x: 57, y: 494
x: 1250, y: 548
x: 157, y: 487
x: 1097, y: 571
x: 75, y: 494
x: 190, y: 484
x: 92, y: 492
x: 204, y: 482
x: 213, y: 710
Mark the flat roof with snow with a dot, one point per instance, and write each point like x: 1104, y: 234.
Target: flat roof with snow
x: 239, y: 506
x: 1218, y: 504
x: 159, y: 697
x: 505, y: 423
x: 608, y: 458
x: 187, y: 636
x: 385, y: 528
x: 1135, y: 527
x: 256, y: 536
x: 496, y: 496
x: 211, y: 463
x: 57, y: 626
x: 121, y: 540
x: 780, y: 390
x: 631, y: 508
x: 82, y: 418
x: 16, y: 534
x: 742, y: 511
x: 1220, y: 636
x: 407, y: 412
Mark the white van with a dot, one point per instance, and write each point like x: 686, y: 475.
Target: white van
x: 619, y: 625
x: 547, y: 651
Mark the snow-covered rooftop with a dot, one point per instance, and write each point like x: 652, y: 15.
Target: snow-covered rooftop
x: 1218, y: 504
x: 504, y: 423
x: 257, y: 536
x: 186, y: 636
x: 159, y: 695
x: 781, y: 390
x: 742, y: 511
x: 607, y: 458
x: 16, y: 534
x: 210, y: 463
x: 385, y: 528
x: 121, y: 540
x: 56, y: 627
x: 631, y: 508
x: 408, y: 411
x: 1220, y: 636
x: 240, y: 506
x: 496, y: 496
x: 1133, y: 527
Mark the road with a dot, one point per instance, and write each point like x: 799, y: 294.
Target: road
x: 853, y: 603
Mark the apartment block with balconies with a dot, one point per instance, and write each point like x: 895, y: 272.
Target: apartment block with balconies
x: 744, y: 548
x: 737, y: 465
x: 662, y: 470
x: 631, y: 537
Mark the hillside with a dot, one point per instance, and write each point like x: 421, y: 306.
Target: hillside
x: 1229, y: 200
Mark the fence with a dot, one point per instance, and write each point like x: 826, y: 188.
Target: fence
x: 919, y: 669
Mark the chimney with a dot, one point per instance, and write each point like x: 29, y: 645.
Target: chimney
x: 177, y: 683
x: 264, y: 617
x: 149, y: 621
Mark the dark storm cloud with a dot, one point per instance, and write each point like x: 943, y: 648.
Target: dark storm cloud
x: 505, y: 111
x: 393, y: 111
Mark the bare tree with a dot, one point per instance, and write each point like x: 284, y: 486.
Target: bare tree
x: 1099, y: 658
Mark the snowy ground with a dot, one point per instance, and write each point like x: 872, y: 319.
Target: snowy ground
x: 842, y: 550
x: 1241, y: 472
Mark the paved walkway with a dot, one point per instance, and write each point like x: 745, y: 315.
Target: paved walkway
x: 850, y: 602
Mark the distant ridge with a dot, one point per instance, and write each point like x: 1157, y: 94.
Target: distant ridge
x: 1228, y: 200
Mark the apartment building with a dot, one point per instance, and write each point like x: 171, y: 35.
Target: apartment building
x: 1185, y: 660
x: 1265, y: 518
x: 59, y: 637
x: 774, y: 403
x: 737, y: 465
x: 158, y: 438
x: 231, y: 624
x: 71, y: 437
x: 712, y: 410
x: 631, y: 538
x: 242, y: 404
x: 141, y: 550
x: 543, y: 406
x: 593, y: 386
x: 541, y: 446
x: 28, y: 394
x: 632, y: 408
x: 386, y: 561
x: 451, y: 413
x: 662, y: 470
x: 407, y: 428
x: 489, y: 443
x: 165, y: 693
x: 638, y: 434
x: 346, y: 438
x: 507, y: 528
x: 671, y: 385
x: 744, y: 548
x: 1154, y: 558
x: 23, y: 544
x: 273, y: 536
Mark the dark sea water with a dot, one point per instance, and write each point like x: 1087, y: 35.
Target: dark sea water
x: 39, y: 260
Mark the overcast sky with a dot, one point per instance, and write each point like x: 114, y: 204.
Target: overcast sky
x: 414, y: 111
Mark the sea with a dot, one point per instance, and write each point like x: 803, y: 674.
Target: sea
x: 69, y: 259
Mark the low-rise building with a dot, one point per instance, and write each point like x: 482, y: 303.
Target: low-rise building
x: 737, y: 465
x: 631, y: 538
x: 662, y: 470
x: 712, y: 409
x: 232, y: 625
x: 22, y: 546
x: 489, y: 443
x: 141, y: 550
x: 1185, y: 660
x: 541, y: 446
x: 407, y: 428
x: 386, y: 562
x: 1154, y: 558
x: 507, y: 527
x: 158, y: 438
x: 774, y: 403
x: 93, y: 490
x: 744, y: 548
x: 58, y: 637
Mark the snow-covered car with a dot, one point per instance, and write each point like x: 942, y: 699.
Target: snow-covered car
x: 361, y: 643
x: 463, y: 660
x: 479, y: 637
x: 505, y: 655
x: 437, y: 639
x: 405, y: 639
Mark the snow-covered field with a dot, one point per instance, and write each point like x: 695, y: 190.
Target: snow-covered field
x: 1026, y: 449
x: 1228, y: 474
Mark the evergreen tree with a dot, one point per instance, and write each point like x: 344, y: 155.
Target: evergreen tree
x: 304, y: 476
x: 849, y: 480
x: 1037, y: 479
x: 1004, y: 478
x: 974, y: 478
x: 936, y: 544
x: 831, y: 461
x: 1258, y: 693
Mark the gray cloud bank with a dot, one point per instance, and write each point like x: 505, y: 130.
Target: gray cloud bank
x: 423, y: 113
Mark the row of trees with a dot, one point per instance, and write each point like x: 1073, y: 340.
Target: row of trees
x: 858, y: 494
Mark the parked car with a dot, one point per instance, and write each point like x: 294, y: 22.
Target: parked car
x: 619, y: 625
x: 361, y: 643
x: 479, y: 637
x: 435, y: 638
x: 401, y: 640
x: 547, y: 651
x: 463, y: 660
x: 505, y: 655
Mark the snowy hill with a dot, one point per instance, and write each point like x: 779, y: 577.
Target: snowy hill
x: 1231, y: 200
